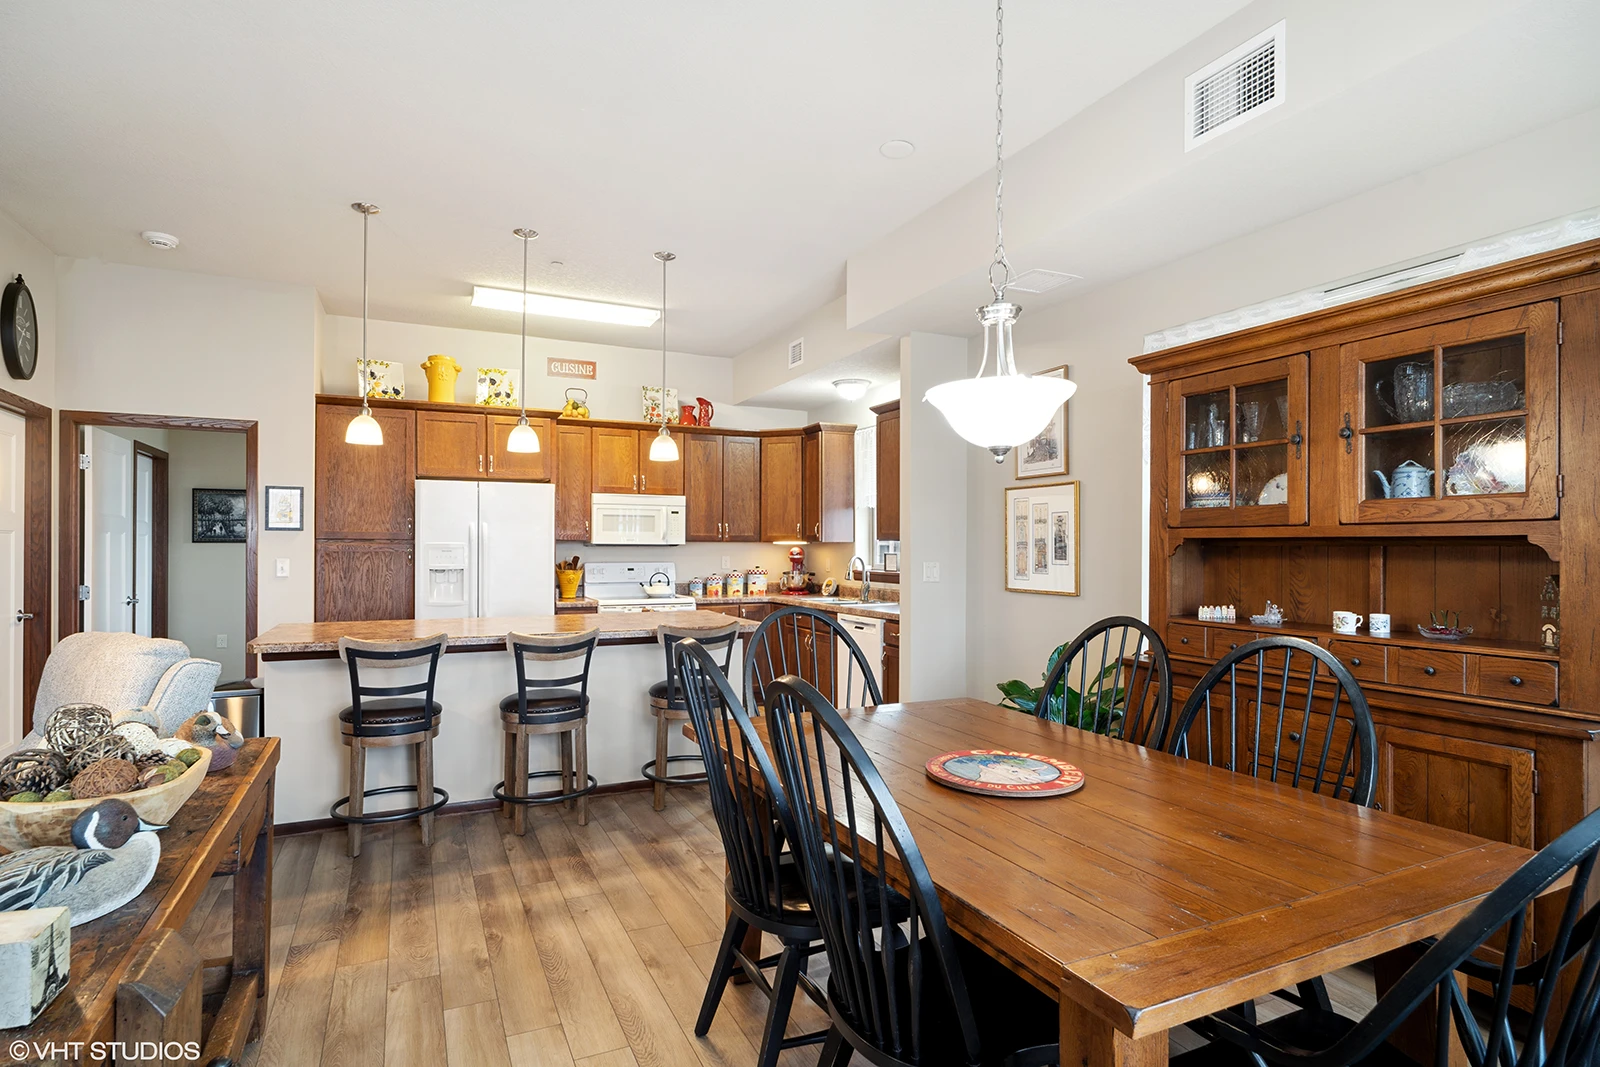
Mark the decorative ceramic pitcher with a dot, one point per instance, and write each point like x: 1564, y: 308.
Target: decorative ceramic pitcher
x: 441, y: 371
x: 1411, y: 479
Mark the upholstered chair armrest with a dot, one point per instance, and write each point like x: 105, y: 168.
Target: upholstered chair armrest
x: 183, y: 692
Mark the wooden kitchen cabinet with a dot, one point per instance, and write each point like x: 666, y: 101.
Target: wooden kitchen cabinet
x: 657, y: 478
x: 519, y: 466
x: 358, y: 581
x: 828, y: 483
x: 573, y: 468
x: 365, y: 492
x: 614, y: 463
x: 888, y: 470
x: 450, y: 444
x: 1472, y: 786
x: 890, y: 679
x: 781, y: 472
x: 722, y: 483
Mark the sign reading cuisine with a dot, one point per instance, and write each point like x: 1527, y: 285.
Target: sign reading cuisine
x: 569, y: 368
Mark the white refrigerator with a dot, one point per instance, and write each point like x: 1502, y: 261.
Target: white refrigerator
x: 485, y: 549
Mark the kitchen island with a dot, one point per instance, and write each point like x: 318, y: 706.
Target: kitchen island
x: 307, y: 684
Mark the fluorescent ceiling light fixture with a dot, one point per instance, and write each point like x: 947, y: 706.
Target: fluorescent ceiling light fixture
x: 852, y: 388
x: 563, y: 307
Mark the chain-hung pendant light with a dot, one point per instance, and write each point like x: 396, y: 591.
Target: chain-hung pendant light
x: 364, y: 429
x: 664, y: 449
x: 523, y: 438
x: 1006, y: 408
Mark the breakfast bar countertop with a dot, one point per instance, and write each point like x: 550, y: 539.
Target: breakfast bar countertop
x: 301, y: 639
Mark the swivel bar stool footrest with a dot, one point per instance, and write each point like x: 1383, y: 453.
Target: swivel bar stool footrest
x: 388, y: 816
x: 500, y: 793
x: 649, y: 771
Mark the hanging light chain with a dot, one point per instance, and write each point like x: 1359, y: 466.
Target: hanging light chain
x: 665, y: 258
x: 367, y: 211
x: 527, y: 235
x: 1000, y: 259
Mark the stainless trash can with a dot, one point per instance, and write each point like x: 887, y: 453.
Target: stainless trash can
x: 242, y: 703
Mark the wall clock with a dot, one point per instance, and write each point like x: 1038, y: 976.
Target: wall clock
x: 19, y: 330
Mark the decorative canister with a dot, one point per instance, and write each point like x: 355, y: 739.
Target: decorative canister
x: 755, y: 581
x: 697, y: 587
x: 441, y: 371
x: 569, y: 581
x: 733, y: 583
x: 714, y: 586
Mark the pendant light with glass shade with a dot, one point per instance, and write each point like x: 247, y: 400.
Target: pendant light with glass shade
x: 664, y: 449
x: 1006, y: 408
x: 364, y: 429
x: 523, y: 438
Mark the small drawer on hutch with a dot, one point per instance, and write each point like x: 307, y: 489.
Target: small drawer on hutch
x: 1529, y: 681
x: 1426, y: 669
x: 1366, y: 662
x: 1185, y: 639
x: 1220, y: 642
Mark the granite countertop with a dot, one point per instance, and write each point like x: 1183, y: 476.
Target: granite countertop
x: 296, y: 639
x: 877, y: 609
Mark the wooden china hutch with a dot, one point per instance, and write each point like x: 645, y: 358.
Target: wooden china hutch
x: 1431, y: 450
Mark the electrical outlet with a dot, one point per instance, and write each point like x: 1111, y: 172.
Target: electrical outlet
x: 930, y: 572
x: 222, y: 640
x: 727, y: 563
x: 282, y: 568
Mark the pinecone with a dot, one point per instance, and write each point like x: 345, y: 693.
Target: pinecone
x: 71, y: 726
x: 106, y: 746
x: 36, y: 770
x: 105, y: 777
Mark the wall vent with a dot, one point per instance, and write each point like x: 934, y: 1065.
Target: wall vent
x: 1245, y: 83
x: 797, y: 351
x: 1039, y: 280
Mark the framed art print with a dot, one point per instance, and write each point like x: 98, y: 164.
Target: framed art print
x: 1046, y: 454
x: 1042, y: 538
x: 219, y: 517
x: 285, y: 507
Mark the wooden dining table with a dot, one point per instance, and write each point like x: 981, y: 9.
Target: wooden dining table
x: 1164, y: 889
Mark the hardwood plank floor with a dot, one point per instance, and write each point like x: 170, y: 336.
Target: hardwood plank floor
x: 574, y: 946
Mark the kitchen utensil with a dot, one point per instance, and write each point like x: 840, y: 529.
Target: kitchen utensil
x: 1411, y: 480
x: 1412, y: 389
x: 706, y: 410
x: 441, y: 371
x: 689, y: 415
x: 569, y: 579
x: 1378, y: 625
x: 576, y: 407
x: 1276, y: 491
x: 1346, y: 622
x: 653, y: 587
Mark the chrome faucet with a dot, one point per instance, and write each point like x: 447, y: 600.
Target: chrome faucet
x: 866, y: 577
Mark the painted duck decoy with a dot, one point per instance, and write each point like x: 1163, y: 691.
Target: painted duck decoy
x: 114, y: 859
x: 210, y: 730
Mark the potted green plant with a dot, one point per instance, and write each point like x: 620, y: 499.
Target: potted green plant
x: 1066, y: 703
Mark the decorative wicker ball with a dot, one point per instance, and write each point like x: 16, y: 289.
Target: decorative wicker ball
x: 143, y: 739
x: 71, y: 726
x: 37, y: 770
x: 106, y: 746
x: 104, y: 777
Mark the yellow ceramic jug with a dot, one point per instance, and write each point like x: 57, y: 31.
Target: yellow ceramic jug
x: 441, y: 371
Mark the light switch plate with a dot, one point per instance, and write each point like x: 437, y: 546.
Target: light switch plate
x: 222, y: 640
x: 930, y: 572
x: 282, y: 567
x: 727, y: 563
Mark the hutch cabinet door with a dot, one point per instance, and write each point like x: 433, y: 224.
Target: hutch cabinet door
x: 1453, y: 421
x: 1238, y: 446
x: 519, y: 466
x: 572, y: 482
x: 1472, y: 786
x: 450, y: 444
x: 365, y: 493
x: 741, y: 488
x: 702, y: 479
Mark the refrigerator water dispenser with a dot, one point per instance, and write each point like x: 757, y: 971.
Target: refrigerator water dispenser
x: 446, y: 563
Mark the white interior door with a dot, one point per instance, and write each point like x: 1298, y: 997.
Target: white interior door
x: 12, y: 540
x: 108, y: 532
x: 144, y: 481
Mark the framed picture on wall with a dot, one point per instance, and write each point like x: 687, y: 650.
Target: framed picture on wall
x: 219, y: 517
x: 285, y: 507
x: 1046, y: 454
x: 1042, y: 538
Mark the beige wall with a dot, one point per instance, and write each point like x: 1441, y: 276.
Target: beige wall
x: 205, y: 583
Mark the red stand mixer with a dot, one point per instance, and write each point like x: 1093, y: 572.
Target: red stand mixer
x: 795, y: 581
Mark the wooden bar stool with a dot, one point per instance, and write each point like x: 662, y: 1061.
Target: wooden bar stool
x: 667, y: 704
x: 401, y: 715
x: 547, y: 706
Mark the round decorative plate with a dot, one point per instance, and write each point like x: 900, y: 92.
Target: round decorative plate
x: 997, y: 772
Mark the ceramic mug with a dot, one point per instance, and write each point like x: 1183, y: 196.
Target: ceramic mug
x: 1345, y: 622
x: 1378, y: 625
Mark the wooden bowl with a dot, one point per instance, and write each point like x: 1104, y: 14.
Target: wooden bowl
x: 30, y: 825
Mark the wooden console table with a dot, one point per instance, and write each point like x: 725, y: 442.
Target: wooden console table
x: 129, y: 980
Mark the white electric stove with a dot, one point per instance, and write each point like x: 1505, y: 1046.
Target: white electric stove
x: 619, y: 587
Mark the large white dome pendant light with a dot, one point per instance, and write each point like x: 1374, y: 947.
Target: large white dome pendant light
x: 364, y: 429
x: 664, y: 449
x: 1007, y: 408
x: 523, y: 437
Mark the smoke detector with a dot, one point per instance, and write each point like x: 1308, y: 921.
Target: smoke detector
x: 157, y: 239
x: 1039, y: 280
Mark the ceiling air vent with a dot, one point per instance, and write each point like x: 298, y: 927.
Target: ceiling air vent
x: 1234, y: 89
x: 797, y: 352
x: 1039, y: 280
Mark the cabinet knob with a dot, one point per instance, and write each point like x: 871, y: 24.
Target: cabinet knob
x: 1429, y: 671
x: 1233, y: 645
x: 1516, y: 679
x: 1183, y: 640
x: 1355, y: 661
x: 1294, y: 736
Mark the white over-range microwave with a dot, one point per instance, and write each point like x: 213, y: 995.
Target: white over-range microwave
x: 629, y: 519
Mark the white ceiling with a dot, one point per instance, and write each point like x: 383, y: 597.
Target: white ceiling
x: 743, y: 136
